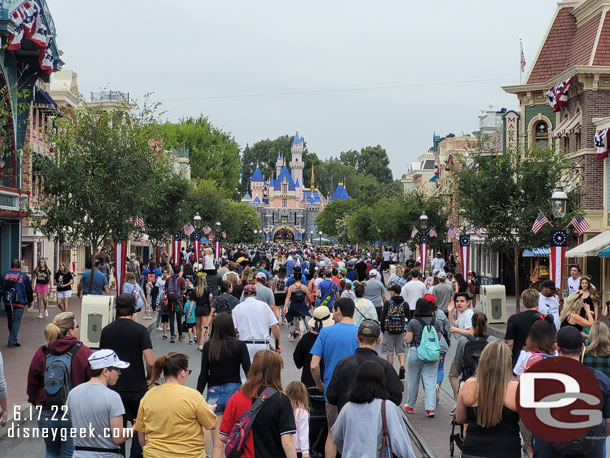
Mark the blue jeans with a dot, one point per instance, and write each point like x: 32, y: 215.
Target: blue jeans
x: 222, y: 394
x: 13, y: 318
x: 57, y: 447
x: 440, y: 374
x: 427, y: 372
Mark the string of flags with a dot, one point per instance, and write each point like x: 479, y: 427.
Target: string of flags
x: 558, y: 95
x: 28, y: 24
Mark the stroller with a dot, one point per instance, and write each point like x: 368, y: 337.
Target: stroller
x: 456, y: 438
x: 318, y: 425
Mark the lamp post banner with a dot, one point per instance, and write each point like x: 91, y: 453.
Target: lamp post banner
x: 176, y: 247
x: 558, y: 255
x: 357, y: 247
x: 120, y: 253
x: 423, y: 251
x: 217, y: 251
x: 197, y: 243
x: 465, y: 253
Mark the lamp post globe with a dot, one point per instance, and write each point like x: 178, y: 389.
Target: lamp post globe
x: 197, y: 221
x: 559, y: 203
x: 423, y: 221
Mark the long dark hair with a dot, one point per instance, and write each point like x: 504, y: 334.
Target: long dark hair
x: 281, y: 272
x: 423, y: 307
x: 462, y: 285
x: 369, y: 384
x: 170, y: 366
x: 223, y: 329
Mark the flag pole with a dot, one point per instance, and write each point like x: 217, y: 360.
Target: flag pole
x: 520, y: 61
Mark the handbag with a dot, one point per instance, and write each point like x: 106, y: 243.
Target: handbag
x: 386, y: 449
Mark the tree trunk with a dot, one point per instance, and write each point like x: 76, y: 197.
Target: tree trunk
x: 93, y: 248
x: 516, y: 273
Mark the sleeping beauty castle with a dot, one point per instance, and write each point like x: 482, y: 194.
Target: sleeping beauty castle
x: 287, y: 208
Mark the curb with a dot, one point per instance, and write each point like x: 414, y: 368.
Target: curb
x: 496, y: 332
x: 418, y: 439
x: 23, y: 407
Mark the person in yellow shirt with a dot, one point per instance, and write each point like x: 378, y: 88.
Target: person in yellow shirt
x: 171, y: 416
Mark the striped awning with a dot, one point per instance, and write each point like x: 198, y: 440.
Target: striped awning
x: 537, y: 253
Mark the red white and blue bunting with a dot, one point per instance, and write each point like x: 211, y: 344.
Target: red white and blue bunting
x: 423, y: 251
x: 558, y: 95
x: 176, y: 242
x: 558, y: 255
x: 601, y: 144
x: 465, y: 253
x: 28, y: 25
x: 120, y: 258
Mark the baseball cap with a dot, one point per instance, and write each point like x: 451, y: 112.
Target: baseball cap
x: 441, y: 275
x: 106, y: 358
x: 250, y: 289
x: 322, y: 264
x: 369, y: 328
x: 373, y: 273
x: 569, y: 338
x: 548, y: 284
x: 375, y: 264
x: 261, y: 275
x: 430, y: 298
x: 126, y: 301
x: 322, y: 315
x: 395, y: 288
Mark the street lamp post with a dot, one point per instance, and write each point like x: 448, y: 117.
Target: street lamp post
x: 320, y: 242
x: 423, y: 240
x: 559, y: 204
x: 197, y: 221
x: 311, y: 237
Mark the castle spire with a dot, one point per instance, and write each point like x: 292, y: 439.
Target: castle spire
x: 284, y: 161
x: 312, y: 177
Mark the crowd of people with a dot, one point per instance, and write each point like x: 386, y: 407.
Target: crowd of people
x: 349, y: 321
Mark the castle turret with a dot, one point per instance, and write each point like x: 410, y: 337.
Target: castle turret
x: 257, y: 184
x: 296, y: 164
x: 279, y: 162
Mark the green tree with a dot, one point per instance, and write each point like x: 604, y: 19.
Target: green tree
x: 505, y: 196
x: 213, y: 153
x: 239, y: 222
x: 96, y: 181
x: 329, y: 218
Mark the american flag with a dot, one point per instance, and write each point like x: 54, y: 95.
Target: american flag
x: 224, y: 235
x: 579, y: 224
x: 539, y: 223
x: 452, y: 231
x: 432, y: 232
x: 522, y: 59
x: 188, y: 229
x: 413, y: 233
x: 478, y: 232
x: 137, y: 221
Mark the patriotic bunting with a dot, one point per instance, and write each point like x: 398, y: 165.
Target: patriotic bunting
x: 217, y: 251
x: 539, y: 223
x: 437, y: 172
x: 579, y: 224
x: 120, y: 254
x: 197, y: 243
x: 452, y: 232
x: 558, y: 95
x: 602, y: 148
x: 423, y: 250
x: 465, y: 253
x: 176, y: 247
x: 558, y: 255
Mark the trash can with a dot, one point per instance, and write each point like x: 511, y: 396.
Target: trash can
x: 96, y: 312
x: 493, y: 303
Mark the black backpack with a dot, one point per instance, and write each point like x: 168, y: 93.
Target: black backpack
x: 297, y: 295
x: 472, y: 354
x: 582, y: 445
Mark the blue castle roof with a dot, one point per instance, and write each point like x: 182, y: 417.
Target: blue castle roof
x: 297, y: 140
x: 312, y: 196
x: 297, y: 184
x: 271, y: 182
x: 256, y: 200
x: 277, y: 184
x: 257, y: 175
x: 340, y: 193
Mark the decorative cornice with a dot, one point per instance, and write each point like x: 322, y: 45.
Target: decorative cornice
x: 589, y: 9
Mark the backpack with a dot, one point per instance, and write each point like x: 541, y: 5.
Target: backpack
x: 223, y: 305
x: 16, y: 294
x: 280, y: 285
x: 173, y: 290
x: 236, y: 443
x: 472, y: 354
x: 580, y: 446
x: 328, y: 295
x: 131, y: 266
x: 151, y: 277
x: 395, y: 319
x: 298, y: 295
x: 164, y: 304
x: 57, y: 375
x: 429, y: 348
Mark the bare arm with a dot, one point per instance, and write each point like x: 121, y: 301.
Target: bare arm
x: 607, y: 427
x: 149, y: 360
x: 315, y: 372
x: 409, y: 337
x: 288, y: 445
x: 142, y: 439
x: 116, y: 426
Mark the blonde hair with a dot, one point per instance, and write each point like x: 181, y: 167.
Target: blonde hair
x: 572, y: 304
x: 297, y: 393
x: 208, y: 251
x: 130, y: 277
x: 599, y: 340
x: 247, y: 276
x: 45, y: 268
x: 493, y: 374
x: 400, y: 270
x: 202, y: 284
x: 58, y: 328
x: 529, y: 297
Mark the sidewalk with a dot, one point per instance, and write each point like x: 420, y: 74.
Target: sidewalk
x: 31, y: 336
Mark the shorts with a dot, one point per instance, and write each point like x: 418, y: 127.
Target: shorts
x: 164, y: 318
x: 332, y: 412
x: 64, y: 294
x: 202, y: 310
x: 393, y: 343
x: 40, y: 288
x: 222, y: 394
x: 189, y: 325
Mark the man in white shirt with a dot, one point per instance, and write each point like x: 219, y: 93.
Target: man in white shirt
x: 252, y: 319
x: 413, y: 290
x: 438, y: 263
x: 548, y: 304
x: 387, y: 256
x: 574, y: 279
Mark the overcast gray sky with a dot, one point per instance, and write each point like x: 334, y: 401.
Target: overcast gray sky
x: 346, y: 73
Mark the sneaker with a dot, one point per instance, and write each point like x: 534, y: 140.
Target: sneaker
x: 172, y: 340
x: 408, y: 409
x: 401, y: 373
x: 16, y: 344
x: 46, y: 312
x: 181, y: 337
x: 164, y: 337
x: 159, y: 328
x: 200, y: 347
x: 291, y: 337
x: 429, y: 413
x: 190, y: 342
x: 40, y: 317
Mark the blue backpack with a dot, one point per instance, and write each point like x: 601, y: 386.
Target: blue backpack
x: 429, y: 348
x: 57, y: 375
x: 16, y: 293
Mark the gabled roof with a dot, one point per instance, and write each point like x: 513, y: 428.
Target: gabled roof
x: 257, y: 175
x: 256, y: 200
x: 297, y: 185
x: 340, y: 193
x: 285, y: 173
x: 271, y: 182
x: 297, y: 140
x: 246, y: 197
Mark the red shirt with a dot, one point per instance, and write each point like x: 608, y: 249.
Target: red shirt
x: 236, y: 406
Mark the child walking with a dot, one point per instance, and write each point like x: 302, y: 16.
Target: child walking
x: 297, y: 393
x: 189, y: 320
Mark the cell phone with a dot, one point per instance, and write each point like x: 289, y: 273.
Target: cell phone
x: 212, y: 401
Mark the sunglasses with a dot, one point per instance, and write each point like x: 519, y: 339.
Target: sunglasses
x: 115, y: 369
x: 189, y: 371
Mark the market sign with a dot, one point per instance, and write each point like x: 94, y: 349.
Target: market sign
x: 511, y: 127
